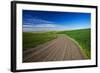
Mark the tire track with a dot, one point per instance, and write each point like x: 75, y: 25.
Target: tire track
x: 59, y: 49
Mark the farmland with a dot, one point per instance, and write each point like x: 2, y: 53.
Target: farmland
x: 81, y: 36
x: 31, y: 39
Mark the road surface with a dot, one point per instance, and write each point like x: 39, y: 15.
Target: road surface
x: 59, y: 49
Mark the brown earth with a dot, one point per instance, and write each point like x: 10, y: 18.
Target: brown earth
x: 59, y: 49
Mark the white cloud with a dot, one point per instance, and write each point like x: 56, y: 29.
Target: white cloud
x: 34, y: 21
x: 45, y: 25
x: 27, y: 26
x: 40, y: 25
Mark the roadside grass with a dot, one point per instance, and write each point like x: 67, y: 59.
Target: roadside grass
x: 31, y: 39
x: 83, y: 37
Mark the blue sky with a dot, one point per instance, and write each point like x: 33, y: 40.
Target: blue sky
x: 50, y: 20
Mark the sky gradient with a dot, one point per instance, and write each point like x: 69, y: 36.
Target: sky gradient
x: 50, y: 20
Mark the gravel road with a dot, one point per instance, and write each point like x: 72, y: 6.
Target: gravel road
x: 59, y: 49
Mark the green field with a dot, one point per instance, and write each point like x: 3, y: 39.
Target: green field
x: 31, y: 39
x: 83, y: 37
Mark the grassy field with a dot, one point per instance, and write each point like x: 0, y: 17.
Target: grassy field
x: 31, y: 39
x: 82, y: 36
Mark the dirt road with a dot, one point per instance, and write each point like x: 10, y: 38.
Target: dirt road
x: 59, y: 49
